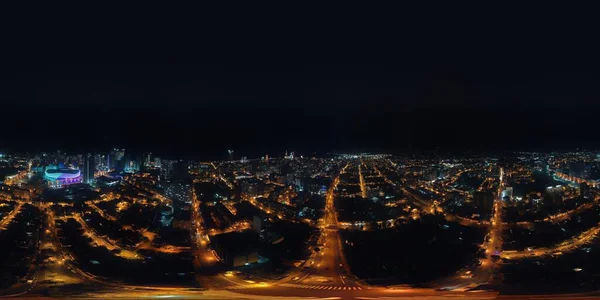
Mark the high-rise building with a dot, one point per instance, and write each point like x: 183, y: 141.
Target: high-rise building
x: 148, y: 159
x: 584, y: 190
x: 131, y: 166
x: 230, y: 155
x: 115, y: 159
x: 167, y: 168
x: 120, y: 165
x: 88, y: 168
x: 553, y: 195
x: 120, y: 153
x: 99, y: 161
x: 132, y: 163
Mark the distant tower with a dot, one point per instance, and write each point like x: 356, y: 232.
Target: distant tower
x: 115, y: 158
x: 230, y: 154
x: 88, y: 168
x: 148, y: 159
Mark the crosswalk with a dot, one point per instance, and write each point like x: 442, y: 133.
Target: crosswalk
x: 242, y: 287
x: 300, y: 286
x: 322, y: 287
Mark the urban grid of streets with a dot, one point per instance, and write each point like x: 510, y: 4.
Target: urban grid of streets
x: 326, y: 274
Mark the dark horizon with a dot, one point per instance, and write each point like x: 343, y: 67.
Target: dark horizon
x: 434, y: 87
x: 203, y: 110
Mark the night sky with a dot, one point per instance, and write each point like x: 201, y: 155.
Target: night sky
x: 448, y: 95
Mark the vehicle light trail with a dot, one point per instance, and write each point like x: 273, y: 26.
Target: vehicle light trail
x: 11, y: 215
x: 363, y: 187
x: 568, y: 245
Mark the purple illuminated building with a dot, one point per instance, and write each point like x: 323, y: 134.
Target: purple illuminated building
x: 60, y: 177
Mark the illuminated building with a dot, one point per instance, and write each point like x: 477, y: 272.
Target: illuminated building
x: 507, y: 194
x: 553, y: 194
x: 148, y: 159
x: 100, y: 161
x: 115, y: 158
x: 290, y: 156
x: 167, y: 168
x: 131, y: 164
x: 88, y: 169
x: 179, y: 192
x: 299, y: 184
x: 58, y: 177
x: 166, y: 216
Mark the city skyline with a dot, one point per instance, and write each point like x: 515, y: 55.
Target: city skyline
x: 229, y: 154
x: 117, y: 223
